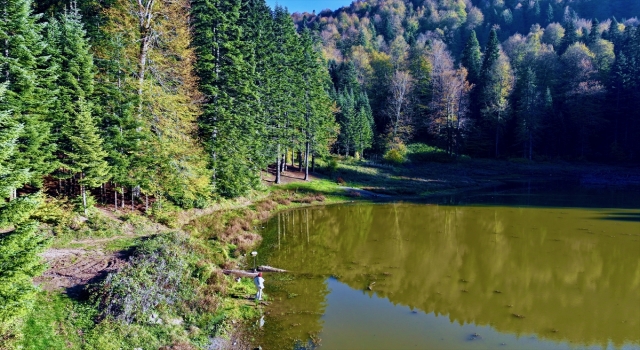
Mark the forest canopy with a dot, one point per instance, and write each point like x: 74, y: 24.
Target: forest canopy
x: 535, y: 79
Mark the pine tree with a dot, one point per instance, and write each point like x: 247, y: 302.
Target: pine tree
x: 20, y: 241
x: 288, y: 115
x: 594, y: 35
x: 614, y: 34
x: 550, y: 14
x: 257, y: 22
x: 495, y: 93
x: 528, y: 109
x: 570, y: 37
x: 472, y: 58
x: 68, y: 48
x: 319, y: 121
x: 27, y: 74
x: 86, y: 157
x: 491, y: 55
x: 116, y: 110
x: 228, y: 121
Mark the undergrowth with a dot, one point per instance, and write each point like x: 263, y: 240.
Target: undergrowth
x: 172, y: 294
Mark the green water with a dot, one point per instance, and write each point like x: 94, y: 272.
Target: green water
x: 475, y: 276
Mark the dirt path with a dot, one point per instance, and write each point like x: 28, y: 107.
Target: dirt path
x: 72, y: 269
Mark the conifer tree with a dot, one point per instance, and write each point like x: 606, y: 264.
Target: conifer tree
x: 318, y: 118
x: 550, y: 14
x: 472, y: 58
x: 496, y: 90
x: 86, y: 157
x: 116, y: 111
x: 20, y: 241
x: 594, y: 35
x: 491, y: 55
x: 570, y: 37
x: 288, y: 99
x: 257, y: 28
x: 224, y: 67
x: 528, y: 108
x: 70, y: 51
x: 25, y: 70
x: 614, y: 34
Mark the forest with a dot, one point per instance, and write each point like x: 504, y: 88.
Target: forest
x: 152, y: 104
x: 538, y: 79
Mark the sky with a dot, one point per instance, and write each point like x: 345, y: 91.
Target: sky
x: 309, y: 5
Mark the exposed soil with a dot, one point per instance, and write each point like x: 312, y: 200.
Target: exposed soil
x: 292, y: 174
x: 72, y: 269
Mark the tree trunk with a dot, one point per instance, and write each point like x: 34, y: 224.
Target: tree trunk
x: 145, y: 17
x: 284, y: 161
x: 313, y: 163
x: 306, y: 162
x: 278, y: 159
x: 299, y: 161
x: 115, y: 197
x: 122, y: 188
x: 132, y: 199
x: 84, y: 194
x: 293, y: 157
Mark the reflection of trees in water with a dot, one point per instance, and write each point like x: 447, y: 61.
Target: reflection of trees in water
x: 554, y: 266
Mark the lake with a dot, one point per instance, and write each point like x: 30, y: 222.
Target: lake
x: 523, y: 268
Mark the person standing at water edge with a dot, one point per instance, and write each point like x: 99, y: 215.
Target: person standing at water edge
x: 259, y: 282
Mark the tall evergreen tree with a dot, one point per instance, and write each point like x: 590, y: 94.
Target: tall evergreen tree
x: 528, y: 109
x: 287, y: 117
x: 472, y: 58
x: 224, y: 67
x: 20, y: 241
x: 570, y: 36
x: 550, y: 14
x: 70, y: 51
x: 25, y: 70
x: 319, y: 122
x: 87, y: 158
x: 594, y: 34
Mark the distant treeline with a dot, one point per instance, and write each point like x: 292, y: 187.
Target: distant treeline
x: 536, y: 79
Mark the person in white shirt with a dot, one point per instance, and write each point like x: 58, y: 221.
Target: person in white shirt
x: 259, y: 282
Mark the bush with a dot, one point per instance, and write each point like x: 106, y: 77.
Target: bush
x: 157, y: 277
x: 419, y: 152
x: 332, y: 165
x: 396, y: 154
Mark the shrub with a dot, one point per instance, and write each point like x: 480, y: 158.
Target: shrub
x: 332, y: 165
x: 155, y: 277
x: 396, y: 154
x: 419, y: 152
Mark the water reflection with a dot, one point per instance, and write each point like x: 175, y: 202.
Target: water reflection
x: 565, y: 275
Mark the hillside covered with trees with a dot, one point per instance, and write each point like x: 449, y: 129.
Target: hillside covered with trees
x: 536, y: 79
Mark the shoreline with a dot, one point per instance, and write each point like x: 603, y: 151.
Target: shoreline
x: 245, y: 214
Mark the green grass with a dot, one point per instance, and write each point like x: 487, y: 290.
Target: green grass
x: 56, y: 322
x: 120, y: 244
